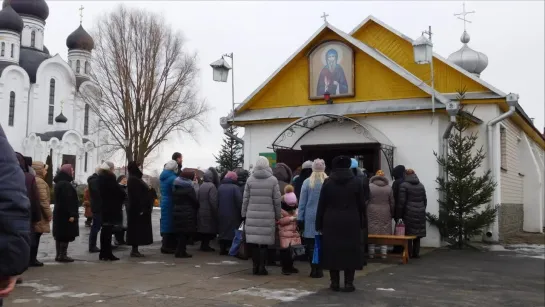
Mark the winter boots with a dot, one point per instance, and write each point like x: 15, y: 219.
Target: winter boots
x: 335, y: 277
x: 316, y: 271
x: 348, y: 281
x: 62, y: 252
x: 259, y: 260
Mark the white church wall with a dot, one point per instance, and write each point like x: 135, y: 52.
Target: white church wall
x: 9, y: 40
x: 14, y: 79
x: 532, y: 195
x: 33, y: 25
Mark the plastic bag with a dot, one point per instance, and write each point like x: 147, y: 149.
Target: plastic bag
x: 239, y: 242
x: 400, y: 228
x: 317, y: 249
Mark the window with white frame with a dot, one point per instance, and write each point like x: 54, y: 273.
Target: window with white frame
x: 11, y: 117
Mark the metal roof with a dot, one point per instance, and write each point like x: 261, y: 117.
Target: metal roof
x: 59, y: 134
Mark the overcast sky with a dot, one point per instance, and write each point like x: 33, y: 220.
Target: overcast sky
x: 263, y: 35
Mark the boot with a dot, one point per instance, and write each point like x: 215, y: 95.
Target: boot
x: 335, y: 280
x: 312, y: 271
x: 58, y: 251
x: 270, y: 256
x: 223, y: 248
x: 205, y: 246
x: 255, y: 260
x: 416, y: 248
x: 349, y: 281
x: 263, y: 261
x: 319, y: 271
x: 63, y: 257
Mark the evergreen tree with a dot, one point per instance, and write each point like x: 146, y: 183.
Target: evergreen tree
x: 464, y: 209
x: 231, y: 155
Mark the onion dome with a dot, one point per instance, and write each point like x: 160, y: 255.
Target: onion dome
x: 45, y: 50
x: 10, y: 20
x: 80, y: 39
x: 472, y: 61
x: 33, y: 8
x: 61, y: 119
x: 30, y: 59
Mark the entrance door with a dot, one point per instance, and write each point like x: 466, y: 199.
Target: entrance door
x: 291, y: 157
x: 367, y: 154
x: 70, y: 159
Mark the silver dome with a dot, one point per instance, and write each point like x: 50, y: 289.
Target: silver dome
x: 470, y: 60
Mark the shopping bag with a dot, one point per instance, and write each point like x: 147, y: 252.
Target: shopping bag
x: 317, y: 249
x: 237, y: 240
x: 297, y: 251
x: 400, y: 228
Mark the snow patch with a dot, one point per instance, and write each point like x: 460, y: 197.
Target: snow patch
x: 165, y: 297
x: 215, y: 277
x: 24, y: 300
x: 52, y: 263
x: 385, y: 289
x: 223, y: 263
x: 496, y: 248
x: 69, y: 294
x: 40, y: 288
x: 157, y: 262
x: 284, y: 295
x: 99, y: 301
x: 197, y: 266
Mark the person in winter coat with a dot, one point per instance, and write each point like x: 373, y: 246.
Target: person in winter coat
x: 96, y: 207
x: 14, y: 218
x: 365, y: 181
x: 308, y: 206
x: 208, y: 209
x: 44, y: 195
x: 412, y: 203
x: 242, y: 176
x: 139, y: 228
x: 306, y: 171
x: 398, y: 174
x: 65, y: 213
x: 112, y: 196
x: 380, y: 210
x: 341, y: 217
x: 287, y: 230
x: 87, y: 206
x: 260, y: 211
x: 119, y: 235
x: 283, y: 174
x: 184, y: 211
x: 229, y: 208
x: 166, y: 179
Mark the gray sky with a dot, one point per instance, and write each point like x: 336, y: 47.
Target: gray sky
x: 263, y: 35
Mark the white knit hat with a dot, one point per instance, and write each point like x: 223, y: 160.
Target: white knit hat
x: 171, y: 165
x: 307, y: 164
x: 262, y: 162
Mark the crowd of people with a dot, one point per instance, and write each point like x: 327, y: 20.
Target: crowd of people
x: 280, y: 212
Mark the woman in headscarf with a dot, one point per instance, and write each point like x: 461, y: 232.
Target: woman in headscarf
x: 341, y: 218
x: 380, y: 210
x: 261, y: 210
x: 184, y: 211
x: 139, y: 228
x: 229, y: 207
x: 43, y: 225
x: 208, y: 209
x: 65, y: 213
x: 308, y: 205
x: 167, y: 177
x: 306, y: 171
x: 412, y: 203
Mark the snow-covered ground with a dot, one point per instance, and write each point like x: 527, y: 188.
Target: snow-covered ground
x: 521, y: 250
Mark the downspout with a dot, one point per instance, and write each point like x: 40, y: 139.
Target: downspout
x: 492, y: 233
x: 28, y: 109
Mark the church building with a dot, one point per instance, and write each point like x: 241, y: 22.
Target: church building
x: 42, y: 110
x: 364, y: 95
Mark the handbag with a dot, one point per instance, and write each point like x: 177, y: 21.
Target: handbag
x: 400, y: 228
x: 297, y: 250
x: 317, y: 249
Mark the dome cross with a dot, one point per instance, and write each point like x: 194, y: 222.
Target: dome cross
x: 81, y: 14
x: 464, y: 14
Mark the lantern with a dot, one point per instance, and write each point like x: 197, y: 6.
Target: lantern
x: 423, y: 52
x: 221, y: 70
x: 327, y: 98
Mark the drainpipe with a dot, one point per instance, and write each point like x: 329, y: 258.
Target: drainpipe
x: 492, y: 233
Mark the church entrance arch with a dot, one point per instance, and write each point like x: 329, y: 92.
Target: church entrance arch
x: 369, y: 140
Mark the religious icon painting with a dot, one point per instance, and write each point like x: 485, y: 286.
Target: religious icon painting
x: 331, y: 68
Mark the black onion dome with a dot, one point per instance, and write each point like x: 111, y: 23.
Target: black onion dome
x: 30, y: 59
x: 61, y: 118
x: 34, y: 8
x: 80, y: 39
x: 10, y: 20
x: 46, y: 50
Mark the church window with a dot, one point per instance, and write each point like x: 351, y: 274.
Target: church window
x: 77, y: 66
x: 33, y: 39
x: 11, y: 117
x: 87, y: 67
x: 12, y: 49
x: 86, y: 120
x: 85, y: 164
x: 3, y: 49
x: 503, y: 148
x: 51, y: 101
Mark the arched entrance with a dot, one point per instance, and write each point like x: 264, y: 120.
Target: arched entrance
x: 372, y: 142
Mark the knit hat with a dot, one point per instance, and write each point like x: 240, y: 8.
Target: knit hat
x: 307, y: 164
x: 353, y: 163
x: 231, y: 175
x: 262, y: 162
x: 318, y: 165
x: 380, y: 172
x: 289, y: 197
x: 105, y: 166
x: 67, y: 169
x: 171, y: 166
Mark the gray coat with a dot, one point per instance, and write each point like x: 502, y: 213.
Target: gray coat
x: 412, y: 204
x: 208, y: 210
x: 381, y: 206
x: 261, y: 207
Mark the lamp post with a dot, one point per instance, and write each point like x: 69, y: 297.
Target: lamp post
x: 220, y: 70
x: 423, y: 54
x: 126, y: 144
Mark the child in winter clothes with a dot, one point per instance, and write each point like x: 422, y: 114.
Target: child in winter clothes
x: 287, y: 230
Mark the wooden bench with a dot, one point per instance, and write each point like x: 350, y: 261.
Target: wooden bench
x: 393, y: 240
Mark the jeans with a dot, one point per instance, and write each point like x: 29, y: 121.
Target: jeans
x: 106, y: 241
x: 95, y: 229
x: 35, y: 243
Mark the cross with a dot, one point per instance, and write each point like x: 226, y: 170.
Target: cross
x: 81, y: 14
x: 324, y: 16
x: 464, y: 14
x: 62, y: 104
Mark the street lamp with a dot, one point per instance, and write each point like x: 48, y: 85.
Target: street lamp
x: 126, y: 143
x: 220, y: 70
x: 423, y: 54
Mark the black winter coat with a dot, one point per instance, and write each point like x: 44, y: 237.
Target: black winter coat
x: 185, y: 206
x: 139, y: 228
x: 94, y: 193
x: 298, y: 183
x: 413, y: 203
x: 399, y: 176
x: 112, y: 196
x: 66, y: 206
x: 341, y: 218
x: 229, y: 208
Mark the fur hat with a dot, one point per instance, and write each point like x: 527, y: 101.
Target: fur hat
x: 231, y: 175
x: 341, y: 162
x: 318, y: 165
x: 171, y: 166
x: 261, y: 162
x: 307, y: 164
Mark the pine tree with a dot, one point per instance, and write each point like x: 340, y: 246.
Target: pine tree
x: 464, y: 209
x: 231, y: 155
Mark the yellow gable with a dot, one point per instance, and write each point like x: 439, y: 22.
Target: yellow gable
x: 372, y: 81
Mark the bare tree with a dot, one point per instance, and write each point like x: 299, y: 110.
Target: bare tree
x: 146, y: 82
